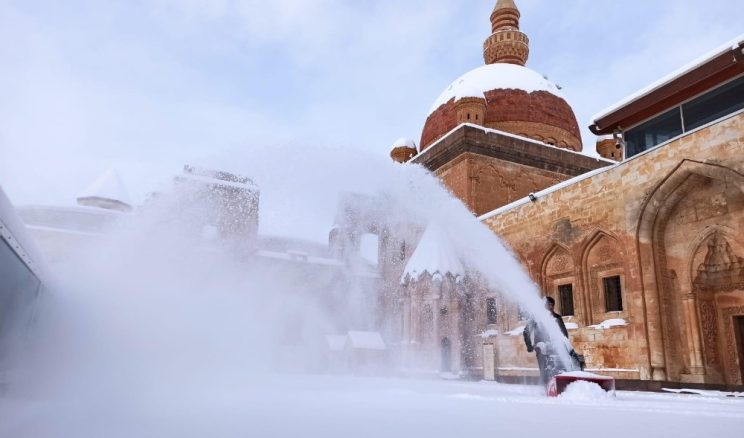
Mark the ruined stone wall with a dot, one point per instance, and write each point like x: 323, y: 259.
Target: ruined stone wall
x: 635, y: 221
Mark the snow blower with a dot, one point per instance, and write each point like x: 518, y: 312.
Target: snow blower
x: 561, y: 377
x: 560, y: 382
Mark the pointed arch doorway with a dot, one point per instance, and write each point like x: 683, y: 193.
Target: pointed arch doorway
x: 446, y: 354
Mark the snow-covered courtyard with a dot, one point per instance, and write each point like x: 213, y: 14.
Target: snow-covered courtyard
x: 323, y: 406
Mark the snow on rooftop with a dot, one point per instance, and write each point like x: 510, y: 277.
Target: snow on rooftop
x: 435, y: 254
x: 477, y: 82
x: 405, y: 142
x: 723, y: 48
x: 468, y: 89
x: 107, y: 186
x: 432, y: 146
x: 365, y: 340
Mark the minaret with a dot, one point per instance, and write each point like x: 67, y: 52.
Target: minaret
x: 506, y: 44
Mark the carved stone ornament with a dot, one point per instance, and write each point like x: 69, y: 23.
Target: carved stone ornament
x: 722, y: 270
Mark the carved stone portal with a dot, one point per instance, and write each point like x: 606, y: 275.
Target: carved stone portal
x: 722, y: 270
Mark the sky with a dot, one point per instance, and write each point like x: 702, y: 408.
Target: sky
x: 146, y: 86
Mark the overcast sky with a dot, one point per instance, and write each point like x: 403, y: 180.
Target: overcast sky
x: 149, y: 85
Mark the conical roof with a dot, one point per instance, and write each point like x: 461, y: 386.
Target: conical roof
x: 435, y: 254
x: 107, y: 191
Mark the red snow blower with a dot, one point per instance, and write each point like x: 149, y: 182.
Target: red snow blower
x: 560, y: 382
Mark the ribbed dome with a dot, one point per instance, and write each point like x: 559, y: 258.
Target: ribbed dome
x: 518, y: 100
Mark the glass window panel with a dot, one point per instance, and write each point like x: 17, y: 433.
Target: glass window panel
x: 714, y: 104
x: 654, y: 132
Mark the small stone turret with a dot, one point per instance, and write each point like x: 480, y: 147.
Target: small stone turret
x: 403, y: 150
x: 610, y: 148
x: 506, y: 44
x: 471, y: 107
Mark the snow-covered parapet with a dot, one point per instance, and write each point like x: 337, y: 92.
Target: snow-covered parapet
x: 435, y: 255
x: 610, y: 323
x: 571, y: 326
x: 489, y: 334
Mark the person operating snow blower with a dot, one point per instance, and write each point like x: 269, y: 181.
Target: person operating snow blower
x: 537, y: 339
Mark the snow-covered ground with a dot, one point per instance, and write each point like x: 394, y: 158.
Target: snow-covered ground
x: 319, y: 406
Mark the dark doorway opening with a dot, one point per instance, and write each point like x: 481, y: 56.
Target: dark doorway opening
x: 739, y: 329
x: 446, y: 355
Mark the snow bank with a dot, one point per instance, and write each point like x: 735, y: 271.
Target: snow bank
x: 582, y: 390
x: 610, y: 323
x: 706, y: 393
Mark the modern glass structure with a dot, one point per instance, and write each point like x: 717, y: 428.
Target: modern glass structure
x: 712, y: 105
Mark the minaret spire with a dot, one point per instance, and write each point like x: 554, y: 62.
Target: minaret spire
x: 506, y: 43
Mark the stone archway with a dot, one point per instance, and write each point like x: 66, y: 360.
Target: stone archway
x: 557, y: 270
x: 446, y: 355
x: 717, y: 273
x: 692, y: 199
x: 602, y: 257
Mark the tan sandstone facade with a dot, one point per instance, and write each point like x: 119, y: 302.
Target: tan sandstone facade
x: 663, y: 222
x: 642, y: 249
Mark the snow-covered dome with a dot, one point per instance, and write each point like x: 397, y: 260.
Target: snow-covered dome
x: 463, y: 89
x: 518, y: 99
x: 107, y: 191
x: 476, y: 83
x: 435, y: 254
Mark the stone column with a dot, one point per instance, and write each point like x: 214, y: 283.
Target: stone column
x: 694, y: 344
x: 436, y: 348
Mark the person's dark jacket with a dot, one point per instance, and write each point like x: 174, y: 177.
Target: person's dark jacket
x: 540, y: 334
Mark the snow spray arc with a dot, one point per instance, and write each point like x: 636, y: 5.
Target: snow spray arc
x: 160, y: 307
